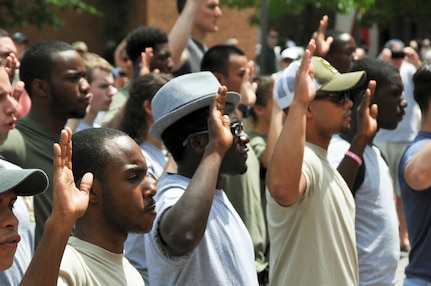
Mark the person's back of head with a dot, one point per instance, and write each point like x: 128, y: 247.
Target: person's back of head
x: 135, y: 120
x: 144, y: 37
x: 38, y: 62
x: 216, y: 58
x: 422, y: 89
x: 264, y: 93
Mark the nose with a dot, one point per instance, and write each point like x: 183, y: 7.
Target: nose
x: 84, y: 86
x: 218, y: 12
x: 403, y: 102
x: 9, y: 220
x: 149, y: 188
x: 10, y: 105
x: 348, y: 103
x: 112, y: 90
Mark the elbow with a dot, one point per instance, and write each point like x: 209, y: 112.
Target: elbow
x: 282, y: 195
x: 418, y: 180
x: 181, y: 242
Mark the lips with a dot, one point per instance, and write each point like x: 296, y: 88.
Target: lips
x: 11, y: 124
x: 11, y: 241
x: 150, y: 207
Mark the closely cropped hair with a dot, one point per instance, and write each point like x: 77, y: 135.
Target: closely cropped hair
x: 376, y: 69
x: 335, y: 34
x: 216, y: 58
x: 90, y: 153
x: 135, y: 119
x: 37, y: 62
x: 144, y: 37
x: 422, y: 90
x: 174, y: 135
x: 94, y: 61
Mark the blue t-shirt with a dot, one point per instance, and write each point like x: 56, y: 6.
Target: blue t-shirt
x: 417, y: 212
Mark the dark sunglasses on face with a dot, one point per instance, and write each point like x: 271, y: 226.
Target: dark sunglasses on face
x: 339, y: 98
x: 236, y: 129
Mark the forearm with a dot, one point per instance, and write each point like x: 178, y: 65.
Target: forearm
x: 45, y: 264
x: 184, y: 224
x: 284, y: 171
x: 181, y: 31
x: 348, y: 167
x: 274, y: 131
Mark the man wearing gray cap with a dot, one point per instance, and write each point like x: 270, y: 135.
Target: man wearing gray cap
x: 197, y: 237
x: 310, y: 209
x: 13, y: 183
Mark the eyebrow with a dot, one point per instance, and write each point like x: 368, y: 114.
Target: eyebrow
x: 137, y: 168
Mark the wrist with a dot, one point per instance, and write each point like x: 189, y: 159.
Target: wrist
x: 354, y: 157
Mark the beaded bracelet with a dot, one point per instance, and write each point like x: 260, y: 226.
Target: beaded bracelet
x: 354, y: 157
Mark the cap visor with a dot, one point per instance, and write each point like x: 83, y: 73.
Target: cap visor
x: 345, y: 81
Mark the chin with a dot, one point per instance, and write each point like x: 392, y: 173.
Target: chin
x: 78, y: 114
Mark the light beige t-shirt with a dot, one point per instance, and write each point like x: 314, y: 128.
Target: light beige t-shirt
x: 313, y: 241
x: 85, y: 264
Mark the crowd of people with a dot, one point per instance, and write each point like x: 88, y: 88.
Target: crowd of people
x: 179, y: 164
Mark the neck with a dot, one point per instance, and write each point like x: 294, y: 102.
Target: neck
x: 261, y: 127
x: 155, y: 142
x: 101, y: 235
x: 198, y: 35
x: 47, y: 120
x: 425, y: 124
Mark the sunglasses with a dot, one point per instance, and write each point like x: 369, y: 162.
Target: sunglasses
x: 236, y: 129
x: 339, y: 98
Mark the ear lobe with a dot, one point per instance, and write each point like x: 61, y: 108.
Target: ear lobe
x: 95, y: 192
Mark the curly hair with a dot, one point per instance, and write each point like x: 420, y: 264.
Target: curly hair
x: 144, y: 37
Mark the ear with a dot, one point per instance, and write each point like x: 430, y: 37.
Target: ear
x: 95, y: 192
x: 40, y: 88
x: 197, y: 143
x: 221, y: 78
x: 146, y: 106
x: 310, y: 110
x: 258, y: 109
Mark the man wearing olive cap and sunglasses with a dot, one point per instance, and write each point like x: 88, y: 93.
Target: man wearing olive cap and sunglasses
x: 311, y: 211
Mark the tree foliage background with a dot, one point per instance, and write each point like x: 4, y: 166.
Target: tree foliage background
x: 21, y: 13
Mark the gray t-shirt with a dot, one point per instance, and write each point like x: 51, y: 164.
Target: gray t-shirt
x: 223, y: 257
